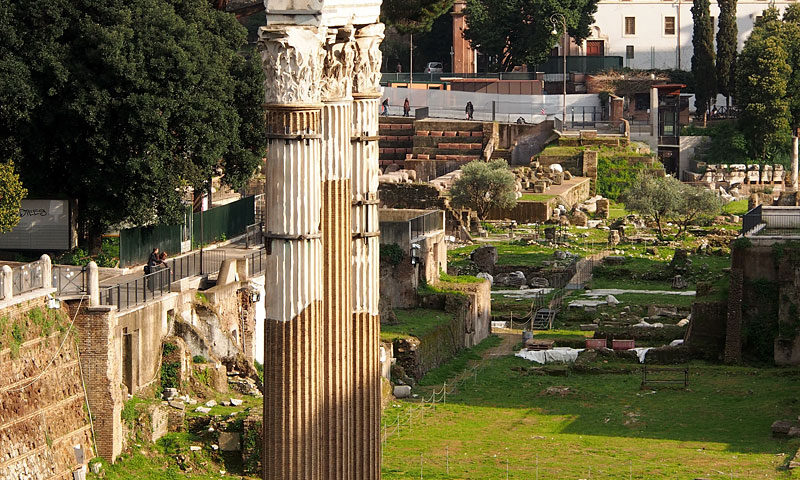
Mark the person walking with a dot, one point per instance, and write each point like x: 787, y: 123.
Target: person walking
x: 385, y: 107
x: 469, y: 110
x: 406, y: 107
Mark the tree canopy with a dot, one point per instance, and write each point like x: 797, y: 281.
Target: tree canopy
x: 705, y: 83
x: 11, y: 194
x: 519, y: 32
x: 762, y: 84
x: 413, y: 16
x: 666, y: 199
x: 483, y: 186
x: 124, y: 104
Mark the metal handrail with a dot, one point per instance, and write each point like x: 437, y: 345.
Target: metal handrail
x: 137, y: 291
x: 69, y: 280
x: 256, y: 262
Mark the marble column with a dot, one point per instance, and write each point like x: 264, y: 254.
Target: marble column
x: 292, y: 59
x: 365, y: 260
x: 337, y: 322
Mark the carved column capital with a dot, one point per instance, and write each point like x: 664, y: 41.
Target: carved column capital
x: 292, y: 59
x: 337, y: 69
x: 368, y: 59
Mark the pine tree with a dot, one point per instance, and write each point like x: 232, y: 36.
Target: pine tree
x: 727, y: 38
x: 703, y: 59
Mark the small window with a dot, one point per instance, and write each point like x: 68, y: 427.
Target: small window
x: 630, y: 25
x: 669, y: 25
x: 629, y: 51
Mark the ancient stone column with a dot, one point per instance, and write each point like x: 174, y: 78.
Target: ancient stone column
x: 337, y: 321
x: 366, y: 323
x: 292, y: 58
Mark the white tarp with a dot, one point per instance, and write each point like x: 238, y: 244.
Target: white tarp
x: 641, y: 352
x: 558, y: 354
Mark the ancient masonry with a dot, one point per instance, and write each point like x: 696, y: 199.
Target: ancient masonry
x: 322, y: 389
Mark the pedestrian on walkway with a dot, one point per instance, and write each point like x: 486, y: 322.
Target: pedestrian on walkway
x: 469, y: 110
x: 406, y: 107
x: 385, y: 107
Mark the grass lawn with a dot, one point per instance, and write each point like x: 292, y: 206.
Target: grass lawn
x: 535, y: 197
x: 736, y: 207
x: 605, y: 428
x: 414, y: 322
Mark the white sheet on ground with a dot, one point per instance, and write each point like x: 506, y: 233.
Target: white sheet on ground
x: 641, y: 352
x: 675, y: 343
x: 558, y: 354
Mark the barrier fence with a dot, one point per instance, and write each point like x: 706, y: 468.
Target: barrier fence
x: 256, y: 262
x: 27, y: 277
x: 69, y: 280
x: 137, y: 291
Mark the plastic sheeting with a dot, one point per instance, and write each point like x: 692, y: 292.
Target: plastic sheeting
x: 558, y: 354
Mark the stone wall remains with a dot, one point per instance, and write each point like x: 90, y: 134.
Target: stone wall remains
x: 42, y: 404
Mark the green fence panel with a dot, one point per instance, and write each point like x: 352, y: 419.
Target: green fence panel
x: 225, y: 221
x: 135, y: 244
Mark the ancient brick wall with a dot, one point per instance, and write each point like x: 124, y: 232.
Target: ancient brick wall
x: 42, y: 415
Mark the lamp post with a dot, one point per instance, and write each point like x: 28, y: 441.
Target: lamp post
x: 555, y: 19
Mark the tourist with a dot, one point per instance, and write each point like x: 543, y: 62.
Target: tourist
x: 385, y: 107
x: 152, y: 261
x: 469, y: 110
x: 406, y: 108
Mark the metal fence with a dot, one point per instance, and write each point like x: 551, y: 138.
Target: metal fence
x: 427, y: 222
x: 751, y: 220
x: 256, y: 262
x: 225, y: 221
x: 137, y: 291
x: 27, y: 277
x: 68, y: 280
x: 253, y: 235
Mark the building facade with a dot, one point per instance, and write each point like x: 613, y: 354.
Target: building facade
x: 650, y: 34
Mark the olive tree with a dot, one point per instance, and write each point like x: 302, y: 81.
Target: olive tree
x: 483, y: 186
x: 666, y: 199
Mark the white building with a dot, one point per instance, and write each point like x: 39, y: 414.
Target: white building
x: 657, y: 34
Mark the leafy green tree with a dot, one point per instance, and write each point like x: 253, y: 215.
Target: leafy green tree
x: 11, y: 194
x: 519, y: 32
x: 727, y: 41
x: 413, y: 16
x: 705, y: 87
x: 762, y: 84
x: 666, y: 199
x: 126, y: 104
x: 483, y: 186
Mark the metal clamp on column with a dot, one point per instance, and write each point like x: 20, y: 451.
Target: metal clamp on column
x: 365, y: 138
x: 292, y: 136
x: 361, y: 203
x: 287, y: 238
x: 366, y: 235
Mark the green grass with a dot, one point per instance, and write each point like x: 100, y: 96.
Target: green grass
x: 414, y: 322
x: 719, y: 428
x: 555, y: 150
x: 458, y: 363
x: 535, y: 197
x: 736, y: 207
x: 459, y: 278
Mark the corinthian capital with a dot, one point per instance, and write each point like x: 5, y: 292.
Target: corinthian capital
x: 337, y: 70
x: 368, y: 58
x: 292, y: 59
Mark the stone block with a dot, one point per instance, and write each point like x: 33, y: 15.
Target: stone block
x: 485, y: 258
x: 230, y: 441
x: 402, y: 391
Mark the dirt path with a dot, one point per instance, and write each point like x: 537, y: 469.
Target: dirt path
x: 509, y: 339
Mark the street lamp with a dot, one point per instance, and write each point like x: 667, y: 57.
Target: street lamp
x: 555, y: 19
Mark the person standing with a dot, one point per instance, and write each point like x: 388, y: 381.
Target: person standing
x: 406, y: 107
x: 385, y: 107
x: 469, y: 110
x: 399, y: 68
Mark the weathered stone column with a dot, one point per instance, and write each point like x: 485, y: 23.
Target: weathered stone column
x: 366, y: 323
x: 292, y: 58
x: 337, y: 310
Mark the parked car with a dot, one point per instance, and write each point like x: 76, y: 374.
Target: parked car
x: 434, y: 67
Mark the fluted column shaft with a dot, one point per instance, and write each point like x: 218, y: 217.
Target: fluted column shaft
x: 337, y: 321
x: 292, y: 375
x: 365, y: 260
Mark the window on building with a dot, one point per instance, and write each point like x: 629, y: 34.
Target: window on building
x: 669, y: 25
x: 630, y: 25
x: 629, y: 51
